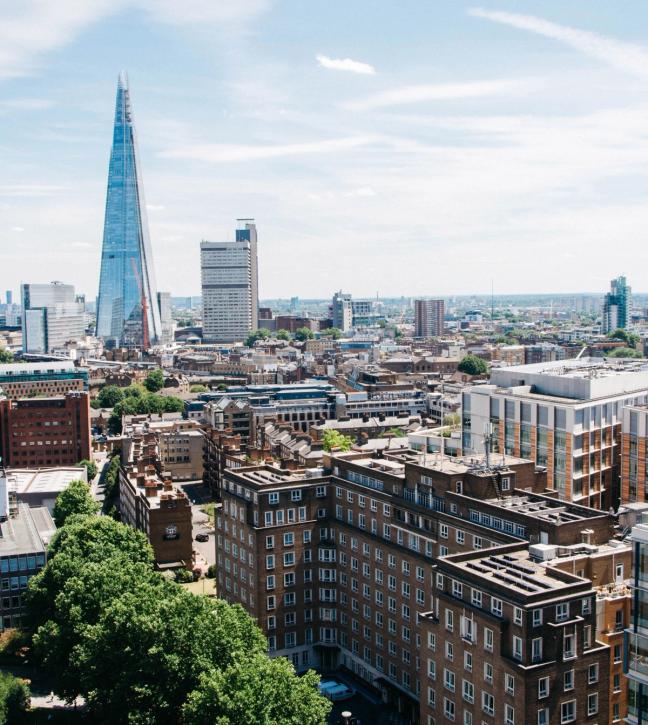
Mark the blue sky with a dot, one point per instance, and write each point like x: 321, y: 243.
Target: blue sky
x: 398, y: 147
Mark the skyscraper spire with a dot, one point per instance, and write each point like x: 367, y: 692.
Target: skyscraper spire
x: 127, y: 309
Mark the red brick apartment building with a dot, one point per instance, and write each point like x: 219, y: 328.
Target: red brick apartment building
x: 354, y: 567
x: 45, y: 432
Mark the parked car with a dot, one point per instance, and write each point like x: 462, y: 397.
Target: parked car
x: 202, y: 537
x: 336, y: 690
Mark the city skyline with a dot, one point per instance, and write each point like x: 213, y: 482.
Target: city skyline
x: 465, y: 149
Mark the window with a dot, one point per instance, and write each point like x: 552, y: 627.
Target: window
x: 592, y: 674
x: 488, y: 703
x: 488, y: 673
x: 457, y: 589
x: 543, y: 687
x: 543, y: 716
x: 449, y: 620
x: 273, y: 498
x: 509, y: 684
x: 536, y: 649
x: 269, y: 542
x: 509, y: 715
x: 569, y: 680
x: 488, y: 639
x: 289, y: 539
x: 448, y: 709
x: 568, y: 711
x: 295, y: 494
x: 496, y: 606
x: 562, y: 611
x: 449, y: 680
x: 616, y: 682
x: 569, y: 646
x: 617, y: 653
x: 468, y: 691
x: 270, y: 561
x: 468, y: 661
x: 537, y: 617
x: 517, y: 615
x: 449, y: 651
x: 476, y: 597
x: 592, y: 703
x: 517, y: 647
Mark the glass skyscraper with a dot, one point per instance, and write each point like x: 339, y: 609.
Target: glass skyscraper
x: 127, y: 306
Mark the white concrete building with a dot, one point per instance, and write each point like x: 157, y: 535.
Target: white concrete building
x: 51, y: 316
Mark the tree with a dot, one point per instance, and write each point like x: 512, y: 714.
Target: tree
x: 303, y: 334
x: 283, y: 335
x: 154, y: 381
x: 14, y: 700
x: 260, y: 334
x: 452, y: 419
x: 259, y: 691
x: 624, y: 352
x: 334, y: 439
x: 396, y: 433
x: 628, y: 337
x: 90, y: 466
x: 333, y: 332
x: 111, y: 483
x: 6, y: 356
x: 109, y: 396
x: 472, y: 365
x: 198, y: 388
x: 75, y: 499
x: 221, y: 386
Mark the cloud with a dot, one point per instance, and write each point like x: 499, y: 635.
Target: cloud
x: 155, y: 207
x: 32, y: 28
x: 232, y: 152
x: 25, y: 104
x: 362, y: 191
x: 353, y: 66
x: 29, y: 190
x: 628, y: 57
x: 17, y: 229
x: 438, y: 92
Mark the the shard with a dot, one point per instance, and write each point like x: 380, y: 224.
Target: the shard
x: 127, y: 309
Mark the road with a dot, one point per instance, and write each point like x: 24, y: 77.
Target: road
x: 205, y: 549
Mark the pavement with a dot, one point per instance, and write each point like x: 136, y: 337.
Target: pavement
x: 96, y: 485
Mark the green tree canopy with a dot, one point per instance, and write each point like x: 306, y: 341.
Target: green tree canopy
x: 260, y: 334
x: 332, y: 332
x: 6, y: 356
x: 263, y: 692
x: 14, y: 700
x: 452, y: 419
x: 75, y: 499
x: 109, y: 396
x: 154, y: 381
x: 472, y: 365
x: 283, y: 335
x: 198, y: 388
x: 628, y: 337
x: 304, y: 333
x: 90, y: 466
x: 142, y: 404
x: 334, y: 439
x: 624, y: 352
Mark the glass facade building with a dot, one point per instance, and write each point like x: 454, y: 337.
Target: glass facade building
x: 127, y: 306
x: 636, y: 636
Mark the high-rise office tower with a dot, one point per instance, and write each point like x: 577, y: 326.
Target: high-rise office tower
x: 9, y: 296
x: 127, y: 307
x: 51, y: 315
x: 230, y: 293
x: 617, y: 306
x: 342, y: 311
x: 428, y: 318
x: 166, y: 321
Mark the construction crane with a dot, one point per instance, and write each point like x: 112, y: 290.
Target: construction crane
x: 144, y: 303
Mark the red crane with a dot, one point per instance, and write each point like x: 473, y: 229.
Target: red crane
x: 144, y: 303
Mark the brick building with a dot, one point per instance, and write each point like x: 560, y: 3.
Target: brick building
x: 340, y: 570
x: 20, y: 380
x: 149, y: 502
x: 45, y: 432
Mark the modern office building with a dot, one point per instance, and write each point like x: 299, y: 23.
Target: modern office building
x: 127, y: 306
x: 636, y: 644
x: 22, y: 380
x: 230, y: 294
x: 51, y: 316
x: 342, y: 311
x: 428, y: 318
x: 563, y: 415
x: 617, y: 306
x: 45, y: 432
x: 166, y: 321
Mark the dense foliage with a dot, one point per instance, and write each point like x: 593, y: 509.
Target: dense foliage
x: 624, y: 352
x: 14, y: 700
x: 154, y: 381
x: 111, y: 483
x: 472, y: 365
x: 75, y: 499
x: 334, y: 439
x: 90, y: 466
x: 140, y: 649
x: 628, y: 337
x: 259, y: 334
x: 6, y: 356
x: 137, y: 400
x: 198, y: 388
x: 303, y: 334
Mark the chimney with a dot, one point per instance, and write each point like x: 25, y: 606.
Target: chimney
x: 150, y: 488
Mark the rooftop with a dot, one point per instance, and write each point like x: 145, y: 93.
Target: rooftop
x: 43, y: 480
x: 27, y: 533
x: 545, y: 508
x: 21, y: 369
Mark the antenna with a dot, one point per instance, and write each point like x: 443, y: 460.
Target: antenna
x: 488, y: 435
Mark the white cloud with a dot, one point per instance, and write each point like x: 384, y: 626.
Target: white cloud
x: 629, y: 57
x: 346, y: 64
x: 362, y: 191
x: 29, y: 190
x: 155, y: 207
x: 25, y: 104
x: 437, y: 92
x: 17, y: 229
x: 204, y: 12
x: 232, y: 152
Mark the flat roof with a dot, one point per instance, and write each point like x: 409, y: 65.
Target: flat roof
x: 545, y: 508
x: 43, y: 480
x: 518, y: 572
x: 26, y: 533
x: 42, y: 367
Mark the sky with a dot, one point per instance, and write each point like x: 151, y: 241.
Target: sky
x: 399, y: 147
